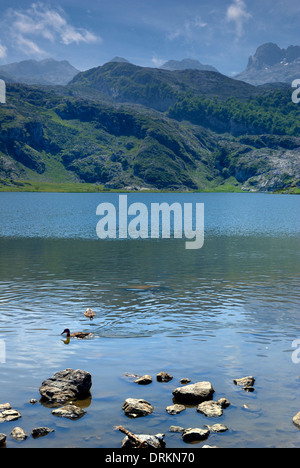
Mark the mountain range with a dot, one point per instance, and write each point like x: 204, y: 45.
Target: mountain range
x: 270, y: 64
x: 120, y: 126
x: 46, y: 72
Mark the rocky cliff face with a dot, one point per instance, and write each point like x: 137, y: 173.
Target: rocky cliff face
x: 270, y: 64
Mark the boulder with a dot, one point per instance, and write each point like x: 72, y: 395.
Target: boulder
x: 211, y: 409
x: 66, y: 385
x: 135, y: 408
x: 194, y: 393
x: 69, y: 412
x: 154, y: 441
x: 195, y: 434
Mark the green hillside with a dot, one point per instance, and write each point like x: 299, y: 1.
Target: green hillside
x: 126, y: 127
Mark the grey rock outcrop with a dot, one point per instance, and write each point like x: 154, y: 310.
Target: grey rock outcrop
x: 66, y: 385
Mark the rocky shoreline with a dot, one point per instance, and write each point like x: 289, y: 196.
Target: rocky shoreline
x: 61, y: 391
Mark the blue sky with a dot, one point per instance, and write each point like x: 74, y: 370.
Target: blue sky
x: 88, y: 33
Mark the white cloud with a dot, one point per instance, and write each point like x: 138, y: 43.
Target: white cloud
x: 27, y: 27
x: 188, y: 30
x: 157, y: 62
x: 237, y: 13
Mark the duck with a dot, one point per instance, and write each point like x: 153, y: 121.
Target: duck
x: 78, y: 335
x: 89, y: 313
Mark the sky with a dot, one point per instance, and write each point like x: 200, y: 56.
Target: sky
x: 89, y: 33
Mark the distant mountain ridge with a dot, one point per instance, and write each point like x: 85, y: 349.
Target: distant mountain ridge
x: 271, y: 64
x: 187, y: 64
x: 45, y: 72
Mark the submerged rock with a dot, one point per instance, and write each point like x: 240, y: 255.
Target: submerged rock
x: 66, y: 385
x: 155, y: 441
x: 195, y: 434
x: 194, y: 393
x: 211, y: 409
x: 69, y: 412
x: 135, y: 408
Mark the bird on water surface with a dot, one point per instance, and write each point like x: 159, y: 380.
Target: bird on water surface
x: 78, y: 335
x: 89, y: 313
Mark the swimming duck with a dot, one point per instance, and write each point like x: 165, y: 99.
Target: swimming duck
x: 78, y: 335
x: 89, y: 313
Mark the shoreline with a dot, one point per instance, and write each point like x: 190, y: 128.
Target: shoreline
x: 9, y: 186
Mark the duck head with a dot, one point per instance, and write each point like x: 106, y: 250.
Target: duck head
x: 67, y: 332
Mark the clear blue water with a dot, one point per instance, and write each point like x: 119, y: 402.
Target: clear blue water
x: 226, y: 311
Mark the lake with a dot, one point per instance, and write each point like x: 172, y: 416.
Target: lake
x: 226, y: 311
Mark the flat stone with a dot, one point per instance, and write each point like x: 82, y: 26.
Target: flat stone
x: 69, y: 412
x: 175, y: 409
x: 9, y: 415
x: 136, y: 408
x: 66, y: 385
x: 144, y: 380
x: 194, y: 393
x: 211, y: 409
x: 164, y: 377
x: 18, y: 434
x: 195, y: 434
x: 155, y: 441
x: 41, y: 432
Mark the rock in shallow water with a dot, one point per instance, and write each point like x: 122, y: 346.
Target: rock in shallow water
x: 41, y: 432
x: 2, y: 440
x: 195, y: 434
x: 156, y: 441
x: 296, y: 420
x: 66, y: 385
x: 135, y: 408
x: 175, y: 409
x: 194, y: 393
x: 8, y: 414
x: 18, y: 434
x: 69, y: 412
x: 211, y: 409
x: 144, y: 380
x: 246, y: 382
